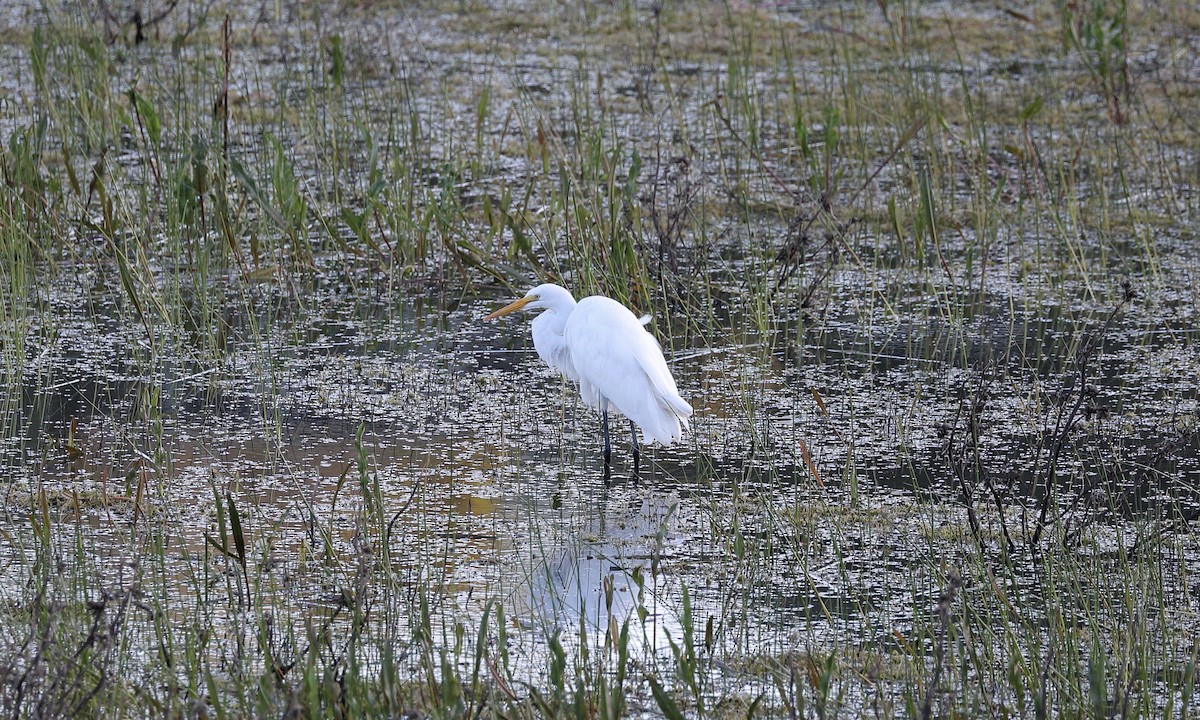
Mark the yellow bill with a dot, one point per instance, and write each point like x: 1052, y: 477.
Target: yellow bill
x: 512, y: 307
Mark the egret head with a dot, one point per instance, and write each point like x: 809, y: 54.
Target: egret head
x: 543, y: 297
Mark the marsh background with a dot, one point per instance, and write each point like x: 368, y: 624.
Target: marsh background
x: 926, y: 271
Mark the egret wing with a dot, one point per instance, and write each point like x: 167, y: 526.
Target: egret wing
x: 618, y: 362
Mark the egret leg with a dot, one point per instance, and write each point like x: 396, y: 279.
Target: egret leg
x: 636, y: 450
x: 607, y: 447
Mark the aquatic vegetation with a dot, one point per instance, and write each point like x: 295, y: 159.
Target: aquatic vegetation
x: 926, y: 273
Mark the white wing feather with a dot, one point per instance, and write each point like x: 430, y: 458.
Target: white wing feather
x: 618, y: 361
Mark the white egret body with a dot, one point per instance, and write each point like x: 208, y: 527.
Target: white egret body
x: 604, y: 347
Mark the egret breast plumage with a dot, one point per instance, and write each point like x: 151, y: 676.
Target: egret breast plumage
x: 618, y: 364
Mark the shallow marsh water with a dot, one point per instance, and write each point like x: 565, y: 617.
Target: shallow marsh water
x: 390, y: 454
x: 489, y: 469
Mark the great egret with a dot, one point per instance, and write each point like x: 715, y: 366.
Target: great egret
x: 598, y: 343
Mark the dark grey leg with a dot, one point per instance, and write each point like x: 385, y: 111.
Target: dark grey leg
x: 607, y: 447
x: 636, y: 450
